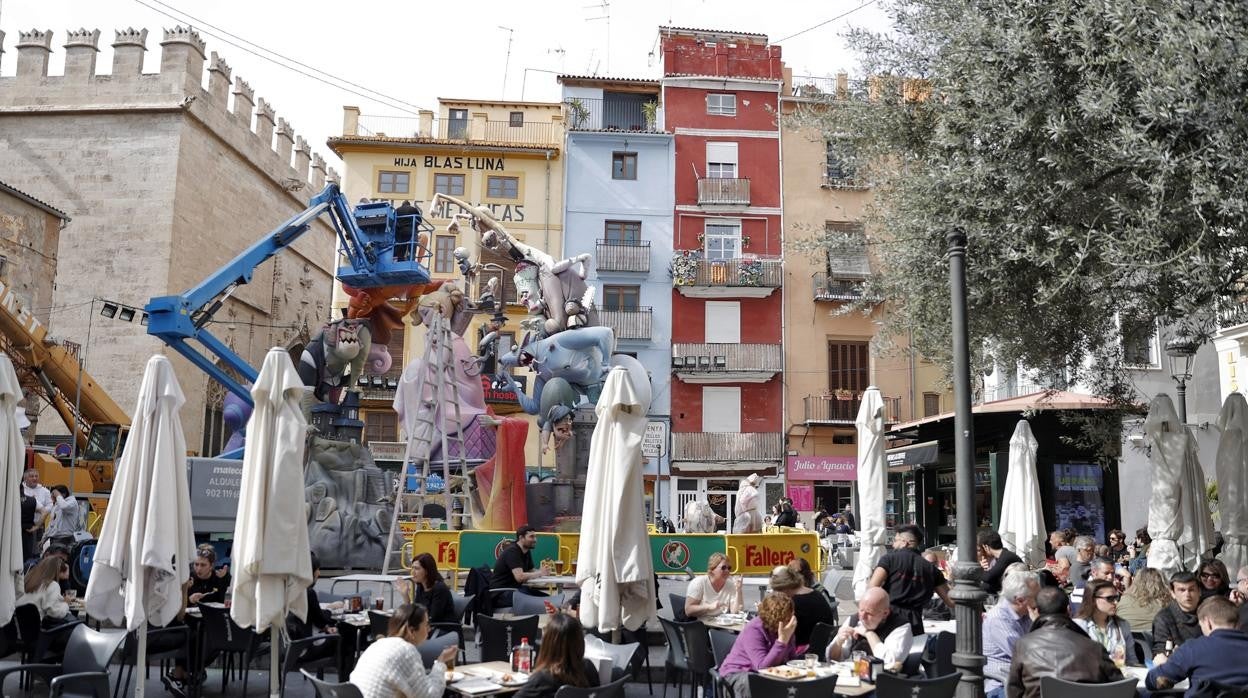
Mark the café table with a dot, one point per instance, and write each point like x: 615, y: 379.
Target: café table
x: 761, y: 583
x: 480, y: 674
x: 1140, y: 673
x: 351, y: 628
x: 858, y: 688
x: 552, y: 582
x: 729, y: 622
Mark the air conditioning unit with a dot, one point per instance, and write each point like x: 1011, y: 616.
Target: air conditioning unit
x: 704, y: 362
x: 721, y: 362
x: 678, y: 362
x: 691, y: 362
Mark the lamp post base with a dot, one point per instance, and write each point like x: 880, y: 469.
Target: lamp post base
x: 968, y: 598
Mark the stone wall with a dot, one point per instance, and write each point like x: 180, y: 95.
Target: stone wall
x: 166, y: 181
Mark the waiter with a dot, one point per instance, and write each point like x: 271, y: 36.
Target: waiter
x: 908, y: 578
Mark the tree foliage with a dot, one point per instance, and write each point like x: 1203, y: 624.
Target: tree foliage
x: 1094, y: 151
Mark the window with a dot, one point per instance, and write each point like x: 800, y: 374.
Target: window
x: 721, y: 104
x: 4, y: 264
x: 444, y: 254
x: 621, y: 297
x: 722, y: 241
x: 451, y: 184
x: 723, y: 322
x: 836, y: 167
x: 381, y: 426
x: 844, y: 439
x: 393, y: 182
x: 847, y: 259
x: 515, y: 118
x: 1139, y: 342
x: 623, y: 232
x: 849, y: 366
x: 457, y: 124
x: 931, y: 404
x: 623, y: 165
x: 502, y: 187
x: 214, y: 430
x: 721, y: 410
x: 721, y: 160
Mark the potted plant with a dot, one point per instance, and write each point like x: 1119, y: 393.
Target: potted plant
x: 685, y: 267
x: 578, y: 112
x: 650, y: 111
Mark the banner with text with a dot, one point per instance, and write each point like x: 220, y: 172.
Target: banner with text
x: 819, y: 468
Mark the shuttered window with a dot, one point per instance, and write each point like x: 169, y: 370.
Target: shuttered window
x: 849, y: 366
x: 382, y: 425
x: 507, y: 286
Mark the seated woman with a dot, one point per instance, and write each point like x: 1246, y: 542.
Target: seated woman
x: 43, y: 590
x: 429, y: 590
x: 1098, y: 617
x: 391, y: 667
x: 205, y: 585
x: 561, y: 660
x: 715, y: 593
x: 766, y: 641
x: 809, y: 606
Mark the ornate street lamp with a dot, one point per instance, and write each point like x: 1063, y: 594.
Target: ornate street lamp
x: 1181, y: 350
x: 967, y: 595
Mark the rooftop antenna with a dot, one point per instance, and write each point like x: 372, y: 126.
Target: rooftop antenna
x: 605, y: 6
x: 506, y: 61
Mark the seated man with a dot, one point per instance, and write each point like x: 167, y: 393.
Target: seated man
x: 1056, y: 646
x: 874, y: 629
x: 1217, y: 656
x: 995, y: 559
x: 1009, y: 620
x: 316, y: 621
x: 1177, y: 622
x: 515, y: 565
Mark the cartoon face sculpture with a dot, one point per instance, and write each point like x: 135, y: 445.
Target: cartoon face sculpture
x: 528, y: 287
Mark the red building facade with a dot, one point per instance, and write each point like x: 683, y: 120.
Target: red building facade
x: 720, y: 99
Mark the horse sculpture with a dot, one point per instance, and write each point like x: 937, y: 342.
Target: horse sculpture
x: 700, y: 518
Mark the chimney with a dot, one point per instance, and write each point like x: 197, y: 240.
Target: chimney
x: 128, y: 49
x: 264, y: 123
x: 318, y: 173
x: 285, y: 140
x: 303, y: 156
x: 244, y: 101
x: 80, y: 49
x: 350, y: 121
x: 331, y: 175
x: 33, y: 49
x: 425, y: 123
x: 219, y: 79
x: 182, y: 57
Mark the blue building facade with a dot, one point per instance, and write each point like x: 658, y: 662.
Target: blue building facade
x: 618, y: 199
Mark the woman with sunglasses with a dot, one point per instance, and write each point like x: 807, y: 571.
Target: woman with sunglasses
x: 1214, y: 579
x: 715, y: 593
x: 1118, y: 547
x: 1098, y: 616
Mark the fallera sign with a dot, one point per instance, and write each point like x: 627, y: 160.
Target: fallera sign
x: 815, y: 468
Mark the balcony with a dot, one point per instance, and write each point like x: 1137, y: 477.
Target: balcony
x: 836, y: 178
x: 837, y: 288
x: 623, y: 256
x: 727, y: 451
x: 426, y: 128
x: 746, y: 277
x: 723, y: 191
x: 726, y: 363
x: 598, y: 114
x: 841, y: 407
x: 631, y: 324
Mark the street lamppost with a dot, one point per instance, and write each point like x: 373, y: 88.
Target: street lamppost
x: 1181, y: 350
x: 967, y: 595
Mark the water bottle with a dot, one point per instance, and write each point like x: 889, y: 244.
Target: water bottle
x: 522, y: 657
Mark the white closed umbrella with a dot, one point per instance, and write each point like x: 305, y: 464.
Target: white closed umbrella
x: 1232, y: 471
x: 271, y: 558
x: 1178, y: 513
x: 1022, y: 518
x: 614, y: 566
x: 147, y: 541
x: 13, y: 451
x: 872, y: 485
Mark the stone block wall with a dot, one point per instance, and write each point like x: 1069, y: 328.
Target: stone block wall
x: 166, y: 180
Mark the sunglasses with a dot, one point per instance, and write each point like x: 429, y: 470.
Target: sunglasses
x: 725, y: 567
x: 1114, y: 538
x: 1112, y: 599
x: 1210, y: 575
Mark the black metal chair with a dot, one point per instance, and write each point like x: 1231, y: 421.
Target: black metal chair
x: 766, y: 687
x: 1053, y: 687
x: 820, y: 636
x: 37, y: 643
x: 615, y: 689
x: 1219, y: 690
x: 378, y: 626
x: 894, y: 686
x: 640, y: 655
x: 938, y: 657
x: 525, y: 605
x: 498, y: 600
x: 676, y: 662
x: 678, y: 607
x: 84, y: 672
x: 694, y: 656
x: 721, y: 644
x: 1140, y: 651
x: 431, y: 648
x: 1146, y: 637
x: 299, y: 655
x: 496, y: 637
x: 457, y: 626
x: 163, y: 644
x: 224, y: 639
x: 325, y: 689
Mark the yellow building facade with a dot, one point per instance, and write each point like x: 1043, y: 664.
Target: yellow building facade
x: 502, y: 155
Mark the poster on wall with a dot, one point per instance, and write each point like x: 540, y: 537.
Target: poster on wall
x: 1077, y: 499
x: 803, y: 497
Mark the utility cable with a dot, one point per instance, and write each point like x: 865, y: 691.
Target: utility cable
x: 828, y: 21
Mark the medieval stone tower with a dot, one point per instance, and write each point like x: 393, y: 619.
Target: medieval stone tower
x: 166, y: 181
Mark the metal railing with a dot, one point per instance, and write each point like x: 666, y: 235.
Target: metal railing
x: 726, y: 357
x: 842, y: 408
x: 601, y: 114
x: 623, y: 256
x: 704, y: 446
x: 723, y: 191
x: 690, y: 270
x: 836, y: 289
x: 834, y: 178
x: 635, y: 323
x: 463, y: 130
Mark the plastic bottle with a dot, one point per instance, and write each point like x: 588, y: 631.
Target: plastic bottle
x: 1169, y: 647
x: 526, y: 656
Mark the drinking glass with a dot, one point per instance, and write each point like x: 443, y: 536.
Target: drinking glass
x: 812, y: 661
x: 71, y: 595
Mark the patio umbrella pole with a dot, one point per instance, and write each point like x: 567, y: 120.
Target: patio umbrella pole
x: 966, y: 592
x: 140, y: 660
x: 275, y: 690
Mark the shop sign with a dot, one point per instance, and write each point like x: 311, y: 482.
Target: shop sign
x: 803, y: 497
x: 654, y: 441
x: 443, y: 545
x: 496, y: 393
x: 478, y: 548
x: 817, y: 468
x: 676, y: 553
x: 758, y: 554
x: 912, y: 456
x: 387, y: 450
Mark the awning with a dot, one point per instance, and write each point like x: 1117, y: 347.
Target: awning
x: 910, y: 457
x: 1043, y: 400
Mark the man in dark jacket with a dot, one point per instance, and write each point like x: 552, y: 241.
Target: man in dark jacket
x: 1217, y: 656
x: 995, y: 559
x: 1056, y: 647
x: 1177, y: 623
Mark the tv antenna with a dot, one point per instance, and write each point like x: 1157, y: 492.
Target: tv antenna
x: 605, y: 7
x: 506, y: 61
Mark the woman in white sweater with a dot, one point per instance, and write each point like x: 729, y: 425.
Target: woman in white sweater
x: 43, y: 590
x: 391, y: 667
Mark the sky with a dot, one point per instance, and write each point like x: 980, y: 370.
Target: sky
x: 412, y: 53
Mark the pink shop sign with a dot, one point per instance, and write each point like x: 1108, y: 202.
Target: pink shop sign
x: 815, y: 468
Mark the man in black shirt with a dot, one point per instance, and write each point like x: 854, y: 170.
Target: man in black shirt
x: 908, y: 578
x: 1177, y: 622
x: 994, y: 558
x: 515, y: 565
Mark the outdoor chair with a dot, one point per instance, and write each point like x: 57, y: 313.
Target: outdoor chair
x: 225, y: 639
x: 721, y: 644
x: 678, y: 608
x: 641, y: 653
x: 767, y: 687
x: 675, y: 663
x: 378, y: 626
x: 912, y: 665
x: 499, y: 599
x: 497, y: 637
x: 1147, y: 638
x: 296, y: 657
x: 431, y: 648
x: 1141, y: 650
x: 324, y: 689
x: 615, y: 689
x: 820, y: 636
x: 525, y: 605
x: 37, y: 643
x: 457, y: 626
x: 1220, y: 690
x: 938, y: 657
x: 894, y: 686
x: 623, y: 656
x: 1053, y: 687
x: 85, y: 669
x: 694, y: 655
x: 163, y: 644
